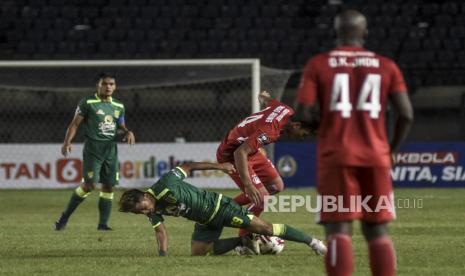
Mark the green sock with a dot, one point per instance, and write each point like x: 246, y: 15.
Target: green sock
x: 289, y: 233
x: 73, y: 203
x: 224, y: 245
x: 104, y: 207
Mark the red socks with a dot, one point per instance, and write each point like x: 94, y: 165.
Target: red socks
x: 339, y: 259
x: 382, y: 256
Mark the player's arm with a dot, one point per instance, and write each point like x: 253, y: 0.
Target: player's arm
x: 306, y: 104
x: 241, y: 161
x: 162, y: 239
x: 403, y: 106
x: 70, y: 133
x: 308, y: 114
x: 194, y: 166
x: 128, y: 135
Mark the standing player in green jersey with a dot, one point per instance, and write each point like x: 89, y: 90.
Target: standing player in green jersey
x: 211, y: 211
x: 101, y: 116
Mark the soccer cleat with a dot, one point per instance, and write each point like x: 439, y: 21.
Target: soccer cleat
x: 319, y: 247
x: 103, y: 227
x: 243, y: 250
x: 252, y: 244
x: 60, y: 224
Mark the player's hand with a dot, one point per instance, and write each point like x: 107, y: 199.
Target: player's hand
x: 227, y: 168
x: 130, y: 138
x: 253, y: 194
x: 264, y: 97
x: 66, y: 149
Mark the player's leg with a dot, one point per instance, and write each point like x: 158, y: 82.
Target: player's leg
x: 205, y: 241
x: 341, y: 184
x: 233, y: 215
x: 339, y: 260
x: 286, y: 232
x: 109, y: 176
x: 91, y: 172
x: 268, y: 174
x: 376, y: 182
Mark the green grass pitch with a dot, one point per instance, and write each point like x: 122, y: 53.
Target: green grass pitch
x: 429, y: 240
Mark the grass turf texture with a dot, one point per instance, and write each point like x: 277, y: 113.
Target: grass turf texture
x: 429, y: 240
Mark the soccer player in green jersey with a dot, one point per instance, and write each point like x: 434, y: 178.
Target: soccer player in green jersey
x: 101, y: 116
x: 172, y: 196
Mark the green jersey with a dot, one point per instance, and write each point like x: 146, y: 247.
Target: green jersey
x: 174, y: 197
x: 101, y: 119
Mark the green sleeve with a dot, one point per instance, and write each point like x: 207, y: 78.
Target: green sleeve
x: 82, y: 108
x: 178, y: 172
x: 155, y: 220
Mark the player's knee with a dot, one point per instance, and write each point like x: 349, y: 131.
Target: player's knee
x: 200, y: 248
x: 276, y: 186
x: 338, y: 228
x: 88, y: 187
x: 198, y: 252
x: 107, y: 188
x: 373, y: 231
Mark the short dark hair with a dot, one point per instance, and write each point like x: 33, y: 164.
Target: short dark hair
x: 104, y: 75
x: 129, y: 200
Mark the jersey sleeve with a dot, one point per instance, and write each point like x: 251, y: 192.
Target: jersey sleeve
x: 156, y: 220
x: 259, y: 138
x: 397, y: 80
x: 177, y: 173
x: 121, y: 117
x: 307, y: 92
x: 82, y: 108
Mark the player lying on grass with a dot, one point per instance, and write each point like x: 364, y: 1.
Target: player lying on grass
x: 211, y: 211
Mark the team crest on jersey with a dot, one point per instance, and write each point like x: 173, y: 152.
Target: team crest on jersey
x: 262, y: 138
x: 100, y: 112
x: 90, y: 174
x: 108, y: 119
x: 117, y: 112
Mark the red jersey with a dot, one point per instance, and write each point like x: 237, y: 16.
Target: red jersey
x: 258, y: 129
x: 352, y: 86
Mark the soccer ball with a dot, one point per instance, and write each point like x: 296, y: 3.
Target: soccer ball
x: 270, y: 244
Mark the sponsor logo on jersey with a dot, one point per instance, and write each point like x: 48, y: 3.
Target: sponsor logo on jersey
x: 262, y: 138
x: 108, y: 126
x: 100, y: 112
x: 255, y: 179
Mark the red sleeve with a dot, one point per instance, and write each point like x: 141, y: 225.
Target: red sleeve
x: 273, y: 102
x: 259, y: 138
x: 308, y: 84
x: 397, y: 81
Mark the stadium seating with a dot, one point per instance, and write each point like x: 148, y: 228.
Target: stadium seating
x: 185, y: 24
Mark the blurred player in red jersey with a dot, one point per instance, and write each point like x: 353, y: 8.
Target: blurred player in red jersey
x: 352, y: 86
x: 255, y: 174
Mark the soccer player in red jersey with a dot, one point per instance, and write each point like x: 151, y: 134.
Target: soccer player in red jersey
x: 352, y: 87
x: 255, y: 174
